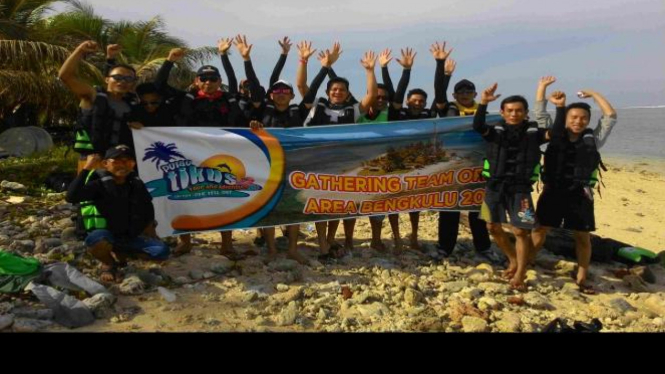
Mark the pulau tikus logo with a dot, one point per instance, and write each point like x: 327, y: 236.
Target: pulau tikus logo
x: 243, y: 186
x: 218, y: 176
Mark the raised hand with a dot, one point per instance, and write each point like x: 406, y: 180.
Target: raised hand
x: 113, y: 50
x: 449, y: 66
x: 335, y: 52
x: 489, y: 94
x: 558, y: 98
x: 243, y: 48
x: 546, y: 81
x: 255, y: 125
x: 325, y: 59
x: 87, y: 47
x: 369, y: 60
x: 285, y: 44
x: 176, y: 54
x: 223, y: 45
x: 91, y: 161
x: 408, y: 57
x: 385, y: 57
x: 305, y: 50
x: 439, y: 51
x: 585, y: 94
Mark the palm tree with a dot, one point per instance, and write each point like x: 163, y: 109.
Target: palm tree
x: 162, y: 153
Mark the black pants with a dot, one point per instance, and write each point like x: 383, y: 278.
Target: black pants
x: 449, y: 227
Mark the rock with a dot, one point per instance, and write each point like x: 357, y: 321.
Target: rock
x: 6, y: 307
x: 473, y: 324
x: 283, y: 265
x: 470, y: 293
x: 413, y: 297
x: 7, y: 185
x: 6, y: 321
x: 24, y: 245
x: 635, y: 283
x: 4, y: 239
x: 375, y: 309
x: 64, y: 223
x: 45, y: 244
x: 99, y: 302
x: 454, y: 286
x: 346, y: 293
x: 509, y: 322
x: 222, y: 266
x: 288, y: 315
x: 167, y: 295
x: 549, y: 263
x: 132, y: 285
x: 282, y: 287
x: 19, y: 199
x: 208, y: 275
x: 487, y: 303
x: 656, y: 304
x: 250, y: 297
x: 486, y: 267
x: 645, y: 273
x: 196, y: 274
x: 537, y: 301
x: 68, y: 234
x: 479, y: 275
x: 292, y: 294
x: 182, y: 280
x: 151, y: 278
x: 361, y: 297
x: 30, y: 325
x: 621, y: 306
x: 29, y: 313
x: 490, y: 288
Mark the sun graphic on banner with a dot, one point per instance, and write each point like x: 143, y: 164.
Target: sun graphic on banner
x: 226, y: 163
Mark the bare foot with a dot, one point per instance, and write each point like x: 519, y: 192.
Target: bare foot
x: 298, y: 257
x: 182, y: 248
x: 509, y: 273
x: 414, y: 243
x: 378, y: 245
x: 109, y: 274
x: 517, y: 283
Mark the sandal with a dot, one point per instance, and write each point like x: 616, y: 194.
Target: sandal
x: 108, y: 274
x: 586, y: 289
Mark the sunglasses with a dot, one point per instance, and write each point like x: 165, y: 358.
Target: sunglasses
x: 151, y: 103
x: 123, y: 78
x: 212, y: 79
x: 284, y: 91
x: 465, y: 92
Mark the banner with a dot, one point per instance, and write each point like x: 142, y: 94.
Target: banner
x: 215, y: 179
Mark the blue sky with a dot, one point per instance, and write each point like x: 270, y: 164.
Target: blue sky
x: 615, y: 47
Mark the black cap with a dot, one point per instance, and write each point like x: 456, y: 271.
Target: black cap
x: 208, y: 70
x: 119, y: 151
x: 464, y: 84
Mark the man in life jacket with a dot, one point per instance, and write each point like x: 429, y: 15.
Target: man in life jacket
x: 464, y: 104
x: 512, y: 166
x: 570, y: 172
x: 103, y: 119
x: 117, y: 210
x: 338, y: 109
x: 384, y: 109
x: 206, y: 105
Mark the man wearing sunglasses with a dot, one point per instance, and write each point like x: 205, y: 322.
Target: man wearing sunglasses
x: 104, y: 111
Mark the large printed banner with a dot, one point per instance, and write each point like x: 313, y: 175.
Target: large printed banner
x: 214, y: 179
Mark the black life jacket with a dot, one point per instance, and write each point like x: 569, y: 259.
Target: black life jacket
x: 525, y: 156
x: 97, y: 130
x: 96, y: 216
x: 222, y: 111
x: 270, y: 119
x: 325, y: 113
x: 405, y: 114
x: 572, y: 164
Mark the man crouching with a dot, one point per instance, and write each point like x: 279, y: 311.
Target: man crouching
x: 117, y: 212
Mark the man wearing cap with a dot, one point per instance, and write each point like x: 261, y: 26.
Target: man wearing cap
x: 464, y: 105
x: 118, y: 211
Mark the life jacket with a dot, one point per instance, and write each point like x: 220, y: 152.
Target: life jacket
x: 404, y: 114
x: 573, y: 166
x: 380, y: 118
x: 91, y: 216
x: 463, y: 111
x: 97, y: 130
x: 325, y: 113
x: 216, y: 110
x: 525, y: 155
x: 269, y: 118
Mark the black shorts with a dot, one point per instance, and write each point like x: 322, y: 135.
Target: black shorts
x: 518, y: 206
x: 572, y: 209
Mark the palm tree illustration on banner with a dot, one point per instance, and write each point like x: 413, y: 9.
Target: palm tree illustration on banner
x: 162, y: 153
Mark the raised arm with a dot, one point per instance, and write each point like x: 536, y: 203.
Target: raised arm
x: 161, y: 80
x: 558, y: 130
x: 540, y: 108
x: 245, y: 51
x: 223, y: 47
x: 277, y: 71
x: 384, y: 60
x: 487, y: 96
x: 326, y: 63
x: 407, y: 60
x: 67, y: 74
x: 112, y: 52
x: 441, y: 79
x: 369, y: 62
x: 607, y: 122
x: 305, y: 51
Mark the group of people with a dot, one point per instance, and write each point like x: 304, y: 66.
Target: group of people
x: 116, y: 210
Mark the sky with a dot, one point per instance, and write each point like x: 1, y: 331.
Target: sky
x: 615, y: 47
